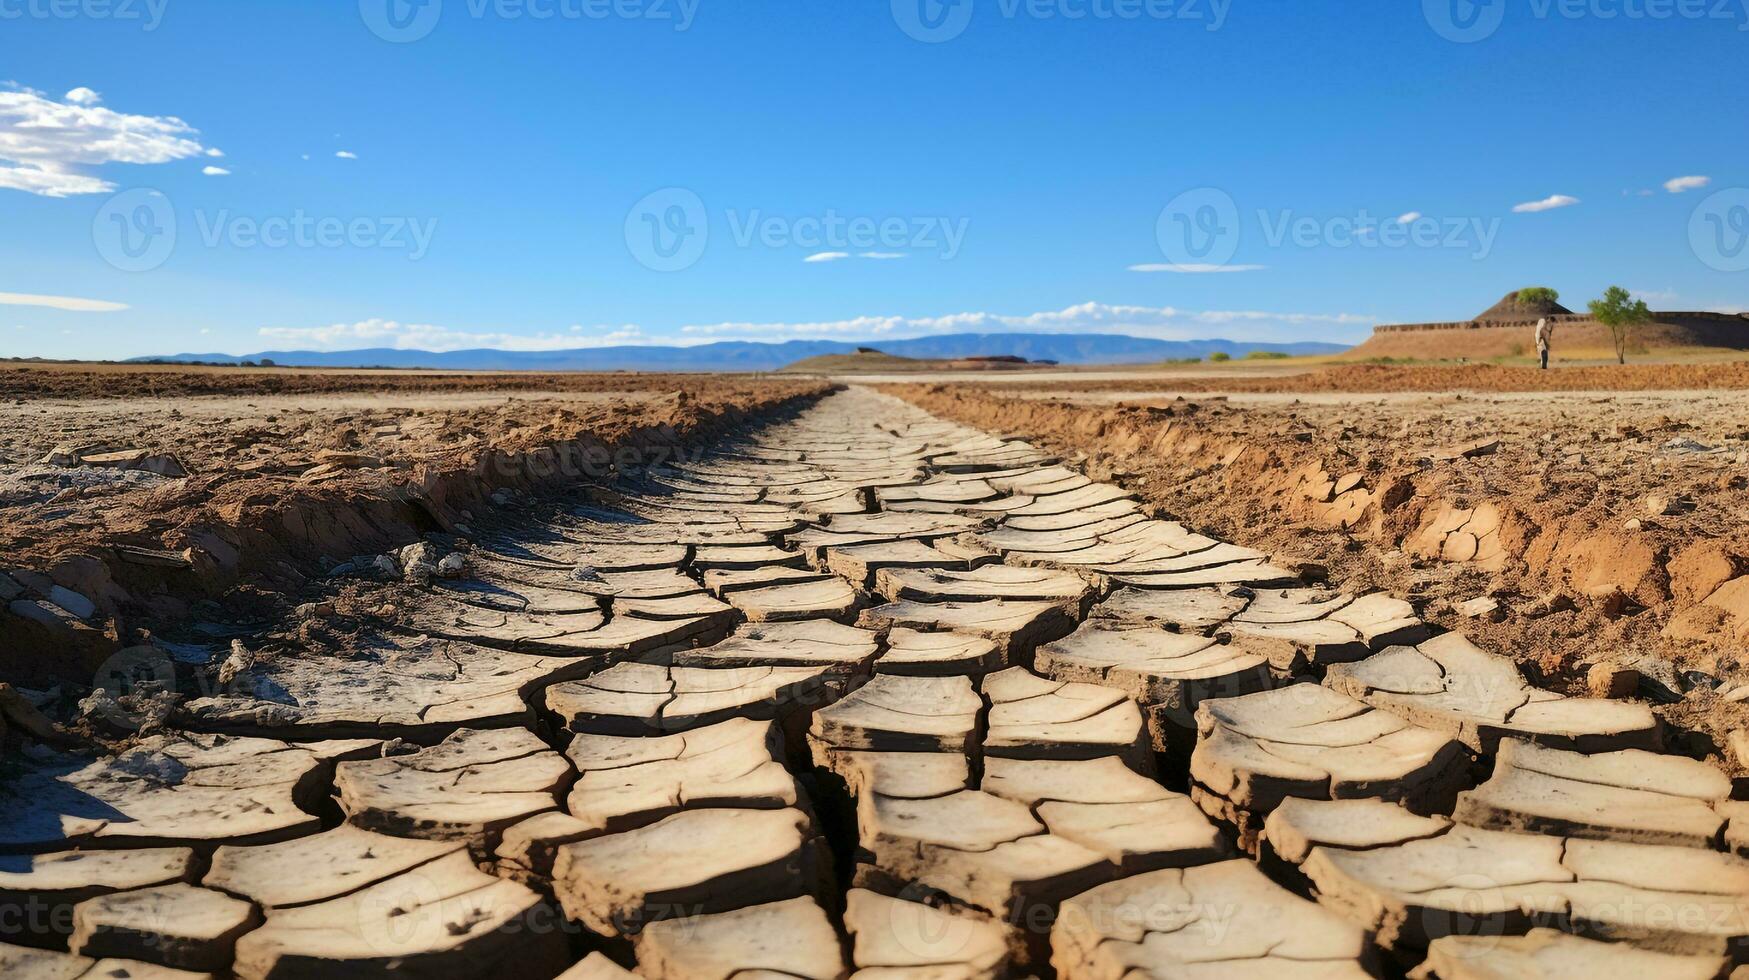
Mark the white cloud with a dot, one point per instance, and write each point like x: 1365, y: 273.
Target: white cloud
x: 1194, y: 268
x: 1677, y: 185
x: 215, y: 171
x: 72, y: 303
x: 214, y: 152
x: 1409, y: 218
x: 42, y: 141
x: 347, y: 155
x: 827, y: 256
x: 1165, y: 323
x: 880, y: 255
x: 424, y: 336
x: 1549, y: 203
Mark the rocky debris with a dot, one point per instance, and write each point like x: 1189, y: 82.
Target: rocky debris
x: 1547, y: 953
x: 444, y: 918
x: 30, y: 964
x: 467, y: 788
x: 1450, y: 685
x: 1630, y: 795
x: 791, y: 939
x: 173, y: 791
x: 1307, y: 741
x: 626, y: 783
x: 1489, y: 882
x: 1223, y: 919
x: 694, y: 862
x: 892, y: 938
x: 38, y: 892
x: 1031, y: 717
x: 176, y: 925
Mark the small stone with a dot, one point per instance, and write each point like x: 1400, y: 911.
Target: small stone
x: 1658, y: 506
x: 387, y: 566
x: 452, y: 566
x: 1738, y: 741
x: 1482, y: 607
x: 1632, y: 524
x: 1612, y: 681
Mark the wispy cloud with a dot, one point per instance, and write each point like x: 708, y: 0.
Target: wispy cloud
x: 1409, y: 218
x: 215, y: 171
x: 884, y: 256
x: 1194, y: 268
x: 827, y: 257
x: 347, y: 155
x: 43, y: 142
x: 1549, y: 203
x: 1677, y: 185
x: 411, y: 336
x: 1165, y: 323
x: 71, y: 303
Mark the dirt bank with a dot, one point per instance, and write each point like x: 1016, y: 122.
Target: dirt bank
x: 1607, y: 530
x: 1383, y: 378
x: 264, y: 492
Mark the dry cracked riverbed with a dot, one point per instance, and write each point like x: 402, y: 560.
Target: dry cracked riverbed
x: 868, y: 693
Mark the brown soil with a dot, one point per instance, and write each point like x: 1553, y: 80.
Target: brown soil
x: 282, y: 485
x: 125, y: 381
x: 1382, y: 378
x: 1554, y: 525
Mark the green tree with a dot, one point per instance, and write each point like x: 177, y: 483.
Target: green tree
x: 1621, y: 313
x: 1533, y: 295
x: 1220, y: 355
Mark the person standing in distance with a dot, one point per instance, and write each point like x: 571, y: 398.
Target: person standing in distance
x: 1545, y: 335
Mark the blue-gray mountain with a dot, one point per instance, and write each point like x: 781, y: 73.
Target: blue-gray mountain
x: 755, y: 356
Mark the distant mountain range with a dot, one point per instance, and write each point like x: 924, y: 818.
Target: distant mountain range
x: 756, y: 356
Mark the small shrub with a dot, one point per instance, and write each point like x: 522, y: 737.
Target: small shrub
x: 1267, y: 355
x: 1219, y: 356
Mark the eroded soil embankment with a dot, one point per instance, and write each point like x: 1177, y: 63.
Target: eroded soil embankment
x: 1596, y: 533
x: 95, y: 560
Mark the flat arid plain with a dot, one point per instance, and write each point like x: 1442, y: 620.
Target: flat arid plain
x: 1284, y: 669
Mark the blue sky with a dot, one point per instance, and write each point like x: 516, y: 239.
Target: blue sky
x: 547, y: 173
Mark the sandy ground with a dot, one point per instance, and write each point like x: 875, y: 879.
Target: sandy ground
x: 1597, y: 527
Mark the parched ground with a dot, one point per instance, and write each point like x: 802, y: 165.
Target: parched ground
x: 166, y: 502
x: 1598, y: 526
x: 857, y: 683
